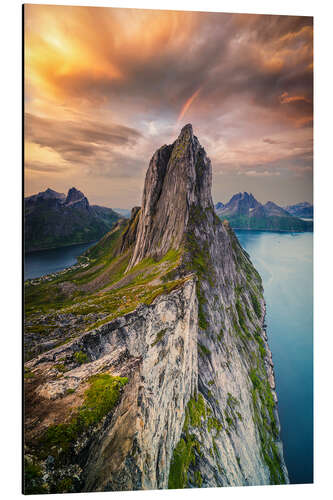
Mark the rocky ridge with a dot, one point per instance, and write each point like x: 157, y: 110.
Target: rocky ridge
x: 304, y: 209
x: 243, y: 211
x: 54, y: 220
x: 182, y: 347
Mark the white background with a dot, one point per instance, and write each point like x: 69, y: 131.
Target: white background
x: 10, y: 259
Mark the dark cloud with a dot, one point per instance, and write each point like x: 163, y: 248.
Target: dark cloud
x: 118, y: 165
x: 78, y: 142
x: 267, y: 140
x: 38, y: 166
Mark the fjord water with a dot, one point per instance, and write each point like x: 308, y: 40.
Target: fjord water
x: 284, y: 261
x: 50, y: 261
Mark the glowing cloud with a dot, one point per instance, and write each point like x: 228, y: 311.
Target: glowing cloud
x: 105, y: 87
x: 285, y: 98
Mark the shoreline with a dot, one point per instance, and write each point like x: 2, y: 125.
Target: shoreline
x: 62, y: 246
x: 268, y: 230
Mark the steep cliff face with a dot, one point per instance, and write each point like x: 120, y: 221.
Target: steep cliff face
x: 173, y: 184
x: 155, y: 347
x: 182, y: 346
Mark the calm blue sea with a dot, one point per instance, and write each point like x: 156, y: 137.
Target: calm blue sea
x: 50, y: 261
x: 284, y: 261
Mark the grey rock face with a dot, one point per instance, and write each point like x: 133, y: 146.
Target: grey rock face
x: 129, y: 236
x: 200, y: 408
x: 157, y: 347
x: 172, y: 185
x: 177, y: 210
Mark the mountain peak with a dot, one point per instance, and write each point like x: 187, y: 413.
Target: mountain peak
x: 186, y: 131
x: 51, y: 193
x: 179, y: 176
x: 240, y: 203
x: 74, y: 195
x: 48, y: 194
x: 244, y: 212
x: 272, y: 209
x: 303, y: 209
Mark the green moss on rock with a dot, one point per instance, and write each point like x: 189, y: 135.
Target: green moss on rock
x: 80, y: 357
x: 99, y: 399
x: 185, y: 451
x: 159, y: 337
x: 263, y: 405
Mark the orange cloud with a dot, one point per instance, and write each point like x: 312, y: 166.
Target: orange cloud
x: 92, y: 72
x: 80, y: 52
x: 285, y: 98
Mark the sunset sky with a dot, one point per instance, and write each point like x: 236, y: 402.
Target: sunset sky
x: 104, y: 88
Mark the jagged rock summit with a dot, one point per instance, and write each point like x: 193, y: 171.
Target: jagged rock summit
x: 74, y: 195
x: 179, y: 176
x: 169, y: 314
x: 241, y: 204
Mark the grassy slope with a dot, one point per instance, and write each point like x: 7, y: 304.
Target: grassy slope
x: 103, y: 287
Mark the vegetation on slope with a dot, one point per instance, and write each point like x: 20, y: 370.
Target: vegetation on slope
x: 247, y: 315
x: 198, y: 416
x: 54, y: 309
x: 53, y: 226
x: 58, y: 441
x: 99, y: 399
x: 264, y: 407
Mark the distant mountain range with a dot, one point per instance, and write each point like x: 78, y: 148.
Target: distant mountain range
x: 54, y: 220
x: 243, y: 211
x: 304, y: 209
